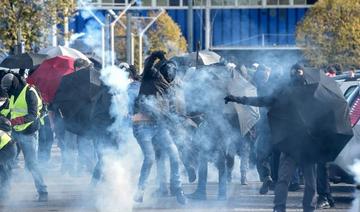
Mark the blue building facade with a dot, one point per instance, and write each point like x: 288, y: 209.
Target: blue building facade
x: 269, y: 26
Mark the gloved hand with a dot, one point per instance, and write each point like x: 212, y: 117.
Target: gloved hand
x: 230, y: 98
x: 17, y: 121
x: 159, y: 54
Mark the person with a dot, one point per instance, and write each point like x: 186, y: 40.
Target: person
x: 352, y: 75
x: 330, y: 71
x: 287, y: 164
x: 79, y: 152
x: 263, y: 146
x: 8, y: 150
x: 150, y: 121
x: 24, y: 112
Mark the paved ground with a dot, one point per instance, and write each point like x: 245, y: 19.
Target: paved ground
x: 74, y: 194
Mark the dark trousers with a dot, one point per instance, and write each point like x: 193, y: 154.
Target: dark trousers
x: 104, y: 145
x: 46, y: 139
x: 287, y: 168
x: 323, y: 184
x: 203, y: 171
x: 7, y: 156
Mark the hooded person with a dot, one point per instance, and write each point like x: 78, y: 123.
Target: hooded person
x: 287, y: 164
x: 24, y: 112
x: 151, y: 120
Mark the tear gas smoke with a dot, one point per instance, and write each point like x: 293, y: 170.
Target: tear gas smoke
x: 355, y: 168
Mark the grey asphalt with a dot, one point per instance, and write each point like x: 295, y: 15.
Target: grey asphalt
x: 67, y: 193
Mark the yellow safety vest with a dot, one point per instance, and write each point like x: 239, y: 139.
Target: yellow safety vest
x: 19, y: 108
x: 4, y: 139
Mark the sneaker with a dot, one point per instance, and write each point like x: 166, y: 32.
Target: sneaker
x: 43, y: 197
x: 323, y: 204
x: 139, y: 196
x: 180, y: 197
x: 265, y: 186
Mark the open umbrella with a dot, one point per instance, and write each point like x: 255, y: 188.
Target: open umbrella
x: 311, y: 122
x: 76, y: 97
x: 204, y: 58
x: 23, y: 61
x: 63, y: 51
x: 48, y: 76
x: 247, y: 115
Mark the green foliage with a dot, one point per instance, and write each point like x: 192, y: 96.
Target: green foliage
x: 330, y: 33
x: 167, y: 36
x: 164, y: 35
x: 33, y: 18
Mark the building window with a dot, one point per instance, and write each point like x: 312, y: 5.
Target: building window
x: 272, y: 2
x: 174, y: 2
x: 284, y: 2
x: 311, y: 1
x: 145, y: 3
x: 199, y: 2
x: 255, y: 2
x: 119, y: 1
x: 229, y: 2
x: 217, y: 2
x: 299, y: 2
x: 162, y: 3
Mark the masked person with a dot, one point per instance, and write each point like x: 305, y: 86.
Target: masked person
x: 151, y: 120
x: 287, y: 165
x: 24, y: 112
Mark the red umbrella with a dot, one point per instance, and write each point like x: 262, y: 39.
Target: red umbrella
x: 48, y: 76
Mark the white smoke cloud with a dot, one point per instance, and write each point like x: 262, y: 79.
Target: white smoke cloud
x: 356, y: 170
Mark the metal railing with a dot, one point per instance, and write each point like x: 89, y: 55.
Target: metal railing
x: 261, y: 41
x: 197, y: 4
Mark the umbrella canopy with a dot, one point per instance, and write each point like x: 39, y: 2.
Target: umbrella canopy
x: 205, y: 58
x: 247, y: 115
x: 23, y: 61
x: 76, y: 97
x: 63, y: 51
x: 311, y: 122
x: 48, y: 76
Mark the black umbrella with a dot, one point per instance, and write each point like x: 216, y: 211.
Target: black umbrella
x: 23, y: 61
x: 76, y: 97
x: 311, y: 122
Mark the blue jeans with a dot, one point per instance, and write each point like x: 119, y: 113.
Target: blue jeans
x: 28, y: 144
x: 145, y: 133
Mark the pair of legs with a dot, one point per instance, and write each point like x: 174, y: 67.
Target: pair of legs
x: 145, y: 133
x: 7, y: 156
x: 28, y: 145
x: 219, y: 158
x: 78, y: 153
x: 104, y: 144
x: 242, y: 149
x: 287, y: 168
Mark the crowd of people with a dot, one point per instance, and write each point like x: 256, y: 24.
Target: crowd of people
x: 177, y: 112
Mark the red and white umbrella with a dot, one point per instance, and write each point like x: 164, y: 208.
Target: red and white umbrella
x: 63, y: 51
